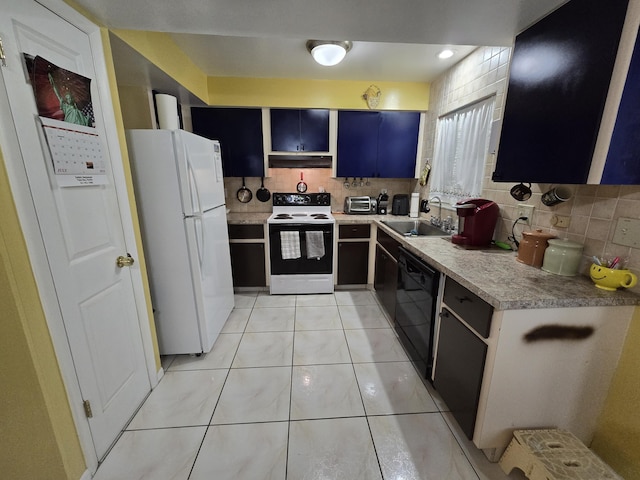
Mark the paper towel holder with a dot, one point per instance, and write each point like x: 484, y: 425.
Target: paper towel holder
x: 163, y: 118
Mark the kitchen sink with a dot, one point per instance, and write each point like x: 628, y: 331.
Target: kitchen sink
x: 415, y: 228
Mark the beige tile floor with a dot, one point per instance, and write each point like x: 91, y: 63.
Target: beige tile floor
x: 296, y: 387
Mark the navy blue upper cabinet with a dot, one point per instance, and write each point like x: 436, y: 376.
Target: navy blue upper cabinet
x: 377, y: 144
x: 622, y: 166
x: 559, y: 79
x: 398, y: 144
x: 357, y: 144
x: 239, y: 131
x: 299, y: 130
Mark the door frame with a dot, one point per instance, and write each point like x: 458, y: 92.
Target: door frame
x: 35, y: 243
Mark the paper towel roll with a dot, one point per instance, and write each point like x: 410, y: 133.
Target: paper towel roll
x: 413, y: 206
x: 167, y: 106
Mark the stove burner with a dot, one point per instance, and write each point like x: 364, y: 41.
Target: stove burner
x: 319, y: 216
x: 283, y: 216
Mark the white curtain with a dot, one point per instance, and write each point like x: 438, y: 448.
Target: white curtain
x: 462, y: 144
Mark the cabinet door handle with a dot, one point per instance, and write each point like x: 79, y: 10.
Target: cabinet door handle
x: 463, y: 299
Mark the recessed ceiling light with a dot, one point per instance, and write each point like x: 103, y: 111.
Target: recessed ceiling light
x: 446, y: 54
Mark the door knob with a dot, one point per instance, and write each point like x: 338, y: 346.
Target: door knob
x: 127, y: 261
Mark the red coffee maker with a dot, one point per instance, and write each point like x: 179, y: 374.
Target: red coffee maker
x: 477, y: 219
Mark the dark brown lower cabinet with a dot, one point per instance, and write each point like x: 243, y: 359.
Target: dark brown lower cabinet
x: 459, y: 369
x: 248, y: 264
x: 353, y: 263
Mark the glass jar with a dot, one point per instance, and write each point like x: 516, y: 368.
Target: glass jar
x: 562, y: 257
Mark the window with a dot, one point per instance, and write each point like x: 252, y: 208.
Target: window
x: 462, y: 143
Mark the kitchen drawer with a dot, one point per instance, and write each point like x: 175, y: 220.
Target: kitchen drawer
x: 468, y: 306
x: 362, y: 230
x: 246, y: 231
x: 389, y: 244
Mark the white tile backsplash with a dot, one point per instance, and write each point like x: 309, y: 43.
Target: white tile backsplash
x: 594, y: 209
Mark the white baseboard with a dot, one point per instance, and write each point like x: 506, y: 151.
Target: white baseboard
x: 159, y: 377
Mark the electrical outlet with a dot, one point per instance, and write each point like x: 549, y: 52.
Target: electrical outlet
x: 524, y: 210
x: 560, y: 221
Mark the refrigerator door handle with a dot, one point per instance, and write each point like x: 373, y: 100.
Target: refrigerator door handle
x: 195, y: 194
x: 197, y: 221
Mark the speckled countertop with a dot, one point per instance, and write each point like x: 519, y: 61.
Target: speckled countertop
x: 237, y: 218
x: 493, y: 274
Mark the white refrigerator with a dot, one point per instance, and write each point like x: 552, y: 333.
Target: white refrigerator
x: 179, y: 192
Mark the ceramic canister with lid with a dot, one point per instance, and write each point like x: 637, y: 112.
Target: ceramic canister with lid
x: 532, y: 247
x: 562, y: 257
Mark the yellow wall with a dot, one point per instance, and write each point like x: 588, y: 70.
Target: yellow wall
x: 135, y: 106
x: 617, y: 439
x: 160, y: 49
x: 281, y: 92
x: 39, y: 439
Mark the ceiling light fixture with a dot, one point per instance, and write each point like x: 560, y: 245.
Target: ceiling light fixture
x: 448, y: 53
x: 328, y: 52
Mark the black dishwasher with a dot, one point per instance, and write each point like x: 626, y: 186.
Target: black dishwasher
x: 416, y: 296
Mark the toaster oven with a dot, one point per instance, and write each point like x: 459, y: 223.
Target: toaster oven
x: 360, y: 205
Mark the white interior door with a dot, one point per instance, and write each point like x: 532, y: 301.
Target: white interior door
x: 81, y: 228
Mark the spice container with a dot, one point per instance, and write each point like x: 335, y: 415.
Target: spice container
x: 532, y: 247
x: 562, y: 257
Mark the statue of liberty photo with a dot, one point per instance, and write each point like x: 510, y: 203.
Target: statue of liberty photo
x: 72, y: 113
x: 60, y: 94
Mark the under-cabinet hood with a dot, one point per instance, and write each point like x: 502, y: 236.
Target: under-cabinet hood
x: 300, y: 161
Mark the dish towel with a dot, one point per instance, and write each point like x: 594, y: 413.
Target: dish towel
x: 290, y: 245
x: 315, y: 244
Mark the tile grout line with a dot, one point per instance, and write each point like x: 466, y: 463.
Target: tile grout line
x: 293, y: 349
x: 462, y: 448
x: 206, y: 431
x: 364, y: 408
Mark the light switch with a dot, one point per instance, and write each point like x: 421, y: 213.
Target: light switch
x: 627, y: 232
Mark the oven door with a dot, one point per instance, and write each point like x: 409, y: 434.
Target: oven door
x: 302, y: 265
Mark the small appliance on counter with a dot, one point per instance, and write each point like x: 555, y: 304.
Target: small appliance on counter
x: 360, y: 205
x: 532, y: 247
x: 477, y: 220
x: 383, y: 203
x: 400, y: 204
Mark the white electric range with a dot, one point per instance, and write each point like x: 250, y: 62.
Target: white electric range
x: 301, y: 239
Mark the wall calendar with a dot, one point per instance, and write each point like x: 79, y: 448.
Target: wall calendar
x: 77, y: 153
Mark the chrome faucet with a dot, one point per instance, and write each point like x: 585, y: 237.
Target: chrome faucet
x: 437, y: 222
x: 447, y: 224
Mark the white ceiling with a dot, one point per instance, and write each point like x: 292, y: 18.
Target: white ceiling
x: 393, y: 40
